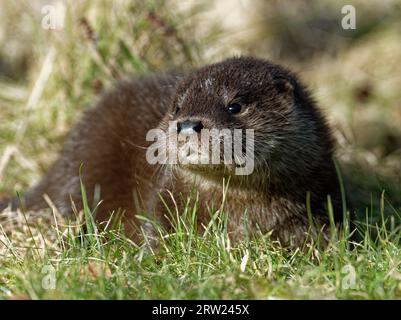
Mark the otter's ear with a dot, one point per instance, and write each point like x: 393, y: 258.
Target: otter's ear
x: 283, y: 85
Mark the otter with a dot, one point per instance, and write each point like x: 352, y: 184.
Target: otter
x: 293, y: 173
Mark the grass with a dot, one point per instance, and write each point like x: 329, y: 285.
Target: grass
x: 73, y: 262
x: 68, y: 68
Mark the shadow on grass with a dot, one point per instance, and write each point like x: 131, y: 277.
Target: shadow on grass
x: 374, y: 197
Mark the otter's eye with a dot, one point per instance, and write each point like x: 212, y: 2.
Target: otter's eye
x: 234, y: 108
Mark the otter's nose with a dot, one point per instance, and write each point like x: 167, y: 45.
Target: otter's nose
x: 189, y: 127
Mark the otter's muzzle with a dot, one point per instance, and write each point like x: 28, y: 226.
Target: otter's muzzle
x: 189, y: 127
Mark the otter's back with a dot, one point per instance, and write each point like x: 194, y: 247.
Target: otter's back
x: 109, y: 143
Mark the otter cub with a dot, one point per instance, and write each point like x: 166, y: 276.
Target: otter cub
x: 292, y: 152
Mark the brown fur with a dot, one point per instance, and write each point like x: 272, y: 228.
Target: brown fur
x: 293, y: 150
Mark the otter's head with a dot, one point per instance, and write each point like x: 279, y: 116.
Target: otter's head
x: 247, y: 93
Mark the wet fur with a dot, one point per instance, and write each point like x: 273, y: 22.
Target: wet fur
x: 293, y: 151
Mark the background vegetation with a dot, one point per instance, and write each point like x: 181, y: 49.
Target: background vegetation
x: 47, y: 77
